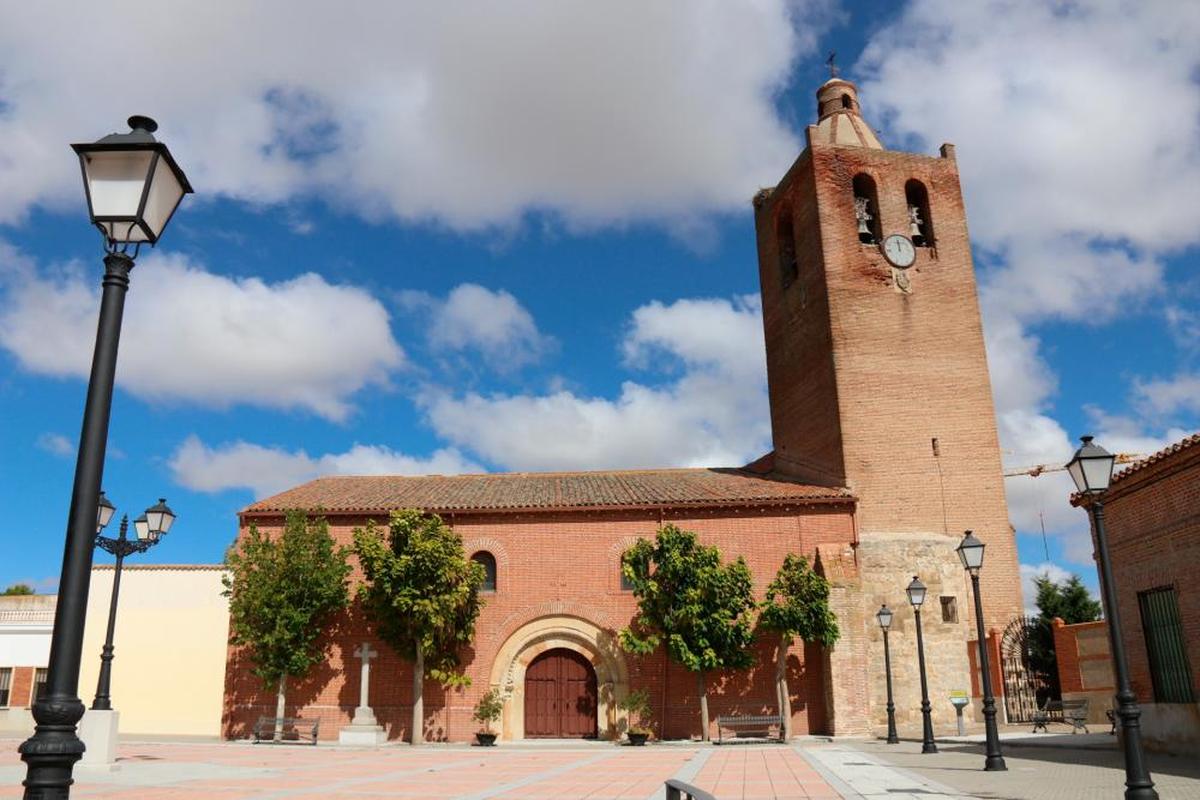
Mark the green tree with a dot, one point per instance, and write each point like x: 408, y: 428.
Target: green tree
x: 688, y: 600
x: 1069, y: 600
x: 422, y: 593
x: 797, y: 605
x: 282, y: 590
x: 18, y: 589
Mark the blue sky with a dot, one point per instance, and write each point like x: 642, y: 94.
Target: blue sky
x: 464, y: 228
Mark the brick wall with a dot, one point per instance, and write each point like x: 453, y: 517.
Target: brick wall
x: 1085, y: 665
x: 863, y: 376
x: 1153, y: 525
x: 21, y: 693
x: 564, y: 564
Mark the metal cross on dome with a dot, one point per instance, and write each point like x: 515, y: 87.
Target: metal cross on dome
x: 831, y: 62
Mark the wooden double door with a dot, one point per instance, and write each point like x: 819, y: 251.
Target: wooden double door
x: 560, y: 696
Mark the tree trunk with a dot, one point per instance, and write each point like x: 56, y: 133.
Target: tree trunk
x: 280, y: 707
x: 702, y: 690
x: 418, y: 715
x: 781, y: 688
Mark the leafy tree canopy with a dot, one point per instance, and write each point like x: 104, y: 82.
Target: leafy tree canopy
x: 1069, y: 600
x: 18, y: 589
x: 700, y: 608
x: 421, y: 590
x: 797, y: 604
x: 282, y: 590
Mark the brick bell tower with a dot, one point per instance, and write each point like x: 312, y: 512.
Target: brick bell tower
x: 876, y: 369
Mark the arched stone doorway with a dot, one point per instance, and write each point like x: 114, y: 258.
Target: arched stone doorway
x: 560, y: 696
x: 596, y: 646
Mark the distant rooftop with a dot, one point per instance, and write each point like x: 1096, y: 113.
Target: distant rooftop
x: 1167, y: 453
x: 548, y: 491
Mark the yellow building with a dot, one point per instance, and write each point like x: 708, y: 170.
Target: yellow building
x: 168, y: 675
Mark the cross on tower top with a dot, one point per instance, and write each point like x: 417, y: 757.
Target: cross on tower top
x: 831, y: 62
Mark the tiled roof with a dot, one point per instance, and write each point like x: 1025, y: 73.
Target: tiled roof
x: 541, y: 491
x: 1183, y: 444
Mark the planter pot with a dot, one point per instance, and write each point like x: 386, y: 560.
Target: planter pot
x: 486, y: 739
x: 638, y: 739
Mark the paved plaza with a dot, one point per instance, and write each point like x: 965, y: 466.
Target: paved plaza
x: 1059, y: 767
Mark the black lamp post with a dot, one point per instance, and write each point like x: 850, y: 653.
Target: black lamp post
x: 133, y: 187
x: 1091, y: 469
x: 884, y: 615
x: 970, y: 552
x: 916, y: 596
x: 148, y: 528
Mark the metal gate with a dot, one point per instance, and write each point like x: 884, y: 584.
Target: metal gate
x: 1027, y: 662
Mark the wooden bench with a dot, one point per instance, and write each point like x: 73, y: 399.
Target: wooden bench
x: 740, y: 722
x: 1068, y: 712
x: 291, y: 729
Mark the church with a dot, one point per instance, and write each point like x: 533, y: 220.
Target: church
x: 885, y: 451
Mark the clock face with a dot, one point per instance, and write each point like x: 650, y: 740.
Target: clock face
x: 899, y: 251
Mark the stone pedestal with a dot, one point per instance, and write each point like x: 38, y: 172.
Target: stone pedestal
x: 98, y: 730
x: 362, y: 735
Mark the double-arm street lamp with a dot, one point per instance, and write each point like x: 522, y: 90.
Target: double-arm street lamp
x: 884, y: 615
x: 916, y: 596
x: 133, y: 187
x: 148, y: 528
x: 970, y: 552
x: 1091, y: 469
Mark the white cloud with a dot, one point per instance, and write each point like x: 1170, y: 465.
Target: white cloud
x: 726, y: 335
x: 474, y: 318
x: 266, y: 470
x: 598, y: 112
x: 1074, y: 185
x: 56, y: 444
x: 1167, y: 396
x: 713, y: 413
x: 190, y: 335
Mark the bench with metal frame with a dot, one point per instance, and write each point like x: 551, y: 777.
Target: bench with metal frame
x: 291, y: 729
x: 738, y: 722
x: 678, y: 790
x: 1068, y: 712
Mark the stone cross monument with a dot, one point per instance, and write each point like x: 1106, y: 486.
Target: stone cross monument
x: 363, y: 715
x: 363, y: 728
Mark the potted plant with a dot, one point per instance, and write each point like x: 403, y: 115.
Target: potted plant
x: 637, y: 704
x: 487, y: 711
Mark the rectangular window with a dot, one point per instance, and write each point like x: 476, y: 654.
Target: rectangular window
x: 949, y: 609
x: 1169, y: 668
x: 39, y: 683
x: 5, y: 685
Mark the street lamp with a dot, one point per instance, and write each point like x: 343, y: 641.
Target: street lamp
x: 147, y: 528
x: 970, y: 552
x: 884, y: 615
x: 1091, y: 469
x: 916, y: 596
x: 133, y: 187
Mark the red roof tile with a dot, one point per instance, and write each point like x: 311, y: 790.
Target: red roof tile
x: 520, y: 491
x: 1183, y: 444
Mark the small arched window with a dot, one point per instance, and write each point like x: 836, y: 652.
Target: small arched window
x: 789, y: 268
x: 626, y: 584
x: 920, y: 223
x: 866, y: 209
x: 847, y: 102
x: 488, y: 561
